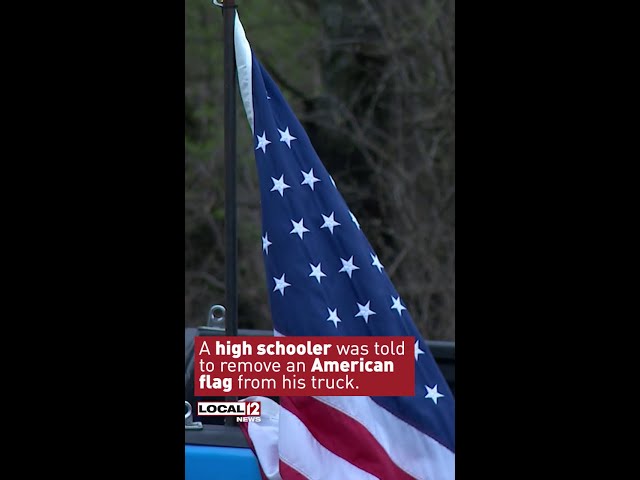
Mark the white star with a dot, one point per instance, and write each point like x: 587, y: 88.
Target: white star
x: 263, y: 142
x: 309, y: 179
x: 416, y: 350
x: 299, y: 228
x: 286, y: 137
x: 281, y: 284
x: 376, y: 262
x: 365, y: 312
x: 397, y: 305
x: 316, y: 272
x: 333, y: 316
x: 433, y: 394
x: 279, y: 185
x: 348, y: 266
x: 353, y: 218
x: 266, y: 243
x: 329, y: 222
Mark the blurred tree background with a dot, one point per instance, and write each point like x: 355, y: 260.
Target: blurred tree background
x: 373, y: 83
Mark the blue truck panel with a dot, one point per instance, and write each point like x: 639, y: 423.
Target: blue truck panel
x: 220, y: 463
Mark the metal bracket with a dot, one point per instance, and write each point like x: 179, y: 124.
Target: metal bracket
x: 189, y: 424
x: 215, y: 320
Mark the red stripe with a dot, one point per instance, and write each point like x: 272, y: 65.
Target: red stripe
x: 287, y: 472
x: 344, y: 436
x: 244, y: 428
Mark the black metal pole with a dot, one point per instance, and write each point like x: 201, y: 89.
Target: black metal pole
x: 231, y: 212
x: 230, y: 202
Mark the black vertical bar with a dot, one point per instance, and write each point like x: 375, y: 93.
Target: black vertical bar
x: 231, y: 241
x: 230, y: 202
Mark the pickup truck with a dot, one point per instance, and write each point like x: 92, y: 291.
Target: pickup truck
x: 215, y: 451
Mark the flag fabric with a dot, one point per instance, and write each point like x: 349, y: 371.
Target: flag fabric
x: 325, y: 279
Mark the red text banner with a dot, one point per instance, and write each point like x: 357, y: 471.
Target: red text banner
x: 304, y: 366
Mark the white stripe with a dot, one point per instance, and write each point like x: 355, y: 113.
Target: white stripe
x: 300, y: 450
x: 243, y: 65
x: 416, y: 453
x: 264, y: 436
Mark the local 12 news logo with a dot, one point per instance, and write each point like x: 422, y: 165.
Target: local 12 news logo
x: 243, y: 411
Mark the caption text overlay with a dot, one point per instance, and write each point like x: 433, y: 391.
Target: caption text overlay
x: 304, y: 366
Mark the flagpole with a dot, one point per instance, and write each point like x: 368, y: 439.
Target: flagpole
x: 230, y: 201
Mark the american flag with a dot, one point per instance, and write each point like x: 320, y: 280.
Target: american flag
x: 325, y: 279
